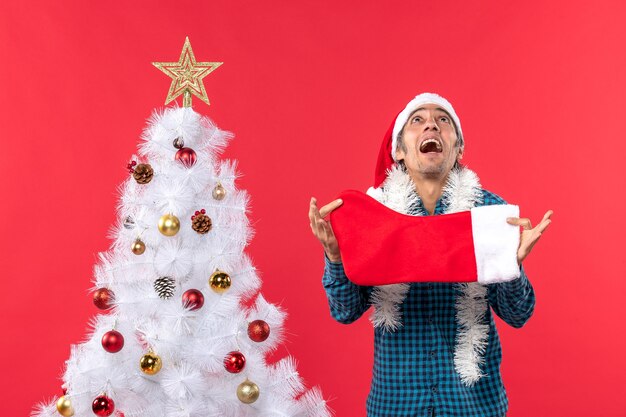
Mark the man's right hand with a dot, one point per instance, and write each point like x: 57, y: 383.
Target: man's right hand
x: 322, y: 229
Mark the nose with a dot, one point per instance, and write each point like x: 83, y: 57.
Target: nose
x: 430, y: 124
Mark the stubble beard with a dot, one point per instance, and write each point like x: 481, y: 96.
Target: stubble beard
x: 436, y: 171
x: 431, y: 171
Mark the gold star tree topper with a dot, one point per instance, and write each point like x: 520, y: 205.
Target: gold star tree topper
x: 187, y: 75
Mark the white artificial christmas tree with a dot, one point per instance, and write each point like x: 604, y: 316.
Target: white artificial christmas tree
x: 176, y: 339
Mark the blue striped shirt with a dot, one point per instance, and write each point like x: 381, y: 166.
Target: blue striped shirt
x: 414, y: 372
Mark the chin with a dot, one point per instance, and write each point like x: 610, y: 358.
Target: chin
x: 428, y: 167
x: 433, y: 171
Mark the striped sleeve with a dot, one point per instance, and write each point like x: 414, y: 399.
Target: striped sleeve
x: 347, y: 301
x: 513, y: 301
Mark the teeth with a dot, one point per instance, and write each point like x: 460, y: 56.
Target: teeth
x: 429, y: 141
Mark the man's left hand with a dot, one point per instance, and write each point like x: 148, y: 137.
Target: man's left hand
x: 529, y: 235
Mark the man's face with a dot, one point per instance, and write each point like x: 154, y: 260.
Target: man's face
x: 430, y: 139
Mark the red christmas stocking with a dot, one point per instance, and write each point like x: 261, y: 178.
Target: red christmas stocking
x: 380, y: 246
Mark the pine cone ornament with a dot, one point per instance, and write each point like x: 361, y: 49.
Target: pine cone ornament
x: 143, y: 173
x: 201, y: 223
x: 165, y: 287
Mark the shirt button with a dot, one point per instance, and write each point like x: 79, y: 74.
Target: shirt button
x: 434, y: 390
x: 430, y: 319
x: 430, y: 286
x: 433, y: 354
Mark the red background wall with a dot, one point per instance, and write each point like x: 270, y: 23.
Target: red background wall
x: 309, y: 88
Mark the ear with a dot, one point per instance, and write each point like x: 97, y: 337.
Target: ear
x: 460, y: 155
x: 399, y: 154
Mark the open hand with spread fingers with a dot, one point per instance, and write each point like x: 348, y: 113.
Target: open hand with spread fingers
x: 322, y: 229
x: 530, y: 235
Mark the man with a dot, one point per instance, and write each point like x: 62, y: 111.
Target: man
x: 436, y: 350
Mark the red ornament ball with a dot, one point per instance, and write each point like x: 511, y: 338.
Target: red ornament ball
x: 112, y: 341
x: 103, y: 406
x: 193, y: 299
x: 103, y: 298
x: 186, y: 156
x: 258, y: 330
x: 234, y: 362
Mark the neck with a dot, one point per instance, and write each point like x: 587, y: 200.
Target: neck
x: 429, y: 189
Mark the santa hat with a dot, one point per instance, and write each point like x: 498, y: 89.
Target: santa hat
x: 386, y: 156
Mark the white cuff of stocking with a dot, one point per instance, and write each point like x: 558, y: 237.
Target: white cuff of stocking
x: 495, y: 243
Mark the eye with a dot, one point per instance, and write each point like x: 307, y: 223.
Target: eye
x: 416, y: 119
x: 444, y: 119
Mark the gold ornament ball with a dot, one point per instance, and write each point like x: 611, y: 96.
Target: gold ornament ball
x: 169, y: 224
x: 219, y: 281
x: 64, y: 407
x: 219, y: 192
x: 150, y: 363
x: 248, y: 392
x: 138, y: 247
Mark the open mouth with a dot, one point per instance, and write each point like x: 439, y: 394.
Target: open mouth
x: 431, y: 145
